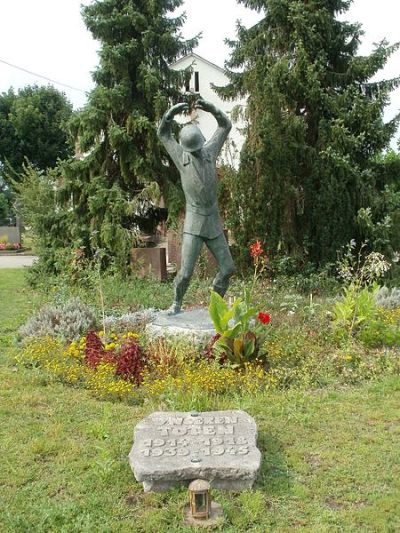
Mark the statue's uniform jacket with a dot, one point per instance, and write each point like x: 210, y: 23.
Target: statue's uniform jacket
x: 199, y: 178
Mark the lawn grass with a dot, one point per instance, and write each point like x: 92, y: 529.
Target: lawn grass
x: 17, y: 303
x: 330, y: 457
x: 123, y: 295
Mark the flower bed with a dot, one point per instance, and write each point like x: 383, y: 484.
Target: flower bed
x: 7, y: 248
x: 302, y: 343
x: 117, y: 366
x: 10, y: 246
x: 129, y: 367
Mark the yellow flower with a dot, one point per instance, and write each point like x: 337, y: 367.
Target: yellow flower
x: 110, y: 346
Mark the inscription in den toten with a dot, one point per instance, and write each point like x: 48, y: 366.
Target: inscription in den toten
x: 195, y: 425
x: 218, y: 431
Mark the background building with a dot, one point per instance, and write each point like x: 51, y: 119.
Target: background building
x: 203, y: 75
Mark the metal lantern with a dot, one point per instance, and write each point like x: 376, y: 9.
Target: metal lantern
x: 200, y: 499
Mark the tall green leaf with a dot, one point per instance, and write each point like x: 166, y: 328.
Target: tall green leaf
x: 218, y: 309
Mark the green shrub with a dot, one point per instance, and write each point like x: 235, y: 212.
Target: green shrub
x: 384, y: 330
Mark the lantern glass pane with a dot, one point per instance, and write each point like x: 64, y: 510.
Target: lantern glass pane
x: 200, y: 503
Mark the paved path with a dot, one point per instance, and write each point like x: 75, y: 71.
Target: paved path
x: 16, y: 261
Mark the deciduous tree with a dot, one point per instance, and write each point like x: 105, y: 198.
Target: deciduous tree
x: 32, y: 127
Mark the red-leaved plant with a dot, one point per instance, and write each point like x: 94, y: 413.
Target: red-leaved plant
x: 129, y: 360
x: 211, y: 354
x: 94, y: 350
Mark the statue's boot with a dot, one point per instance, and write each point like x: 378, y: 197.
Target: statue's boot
x: 174, y: 309
x: 181, y: 283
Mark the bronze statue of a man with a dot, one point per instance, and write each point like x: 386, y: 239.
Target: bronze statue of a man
x: 196, y: 162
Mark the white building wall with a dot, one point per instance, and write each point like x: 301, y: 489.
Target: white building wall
x: 209, y: 73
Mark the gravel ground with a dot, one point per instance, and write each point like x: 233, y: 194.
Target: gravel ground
x: 16, y: 261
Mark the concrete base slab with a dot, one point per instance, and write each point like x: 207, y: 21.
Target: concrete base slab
x: 216, y: 517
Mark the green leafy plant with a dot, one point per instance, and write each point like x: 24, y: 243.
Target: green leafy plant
x: 242, y: 331
x: 357, y: 306
x: 359, y: 302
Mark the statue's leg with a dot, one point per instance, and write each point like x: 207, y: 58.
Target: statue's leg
x: 220, y: 250
x: 191, y: 247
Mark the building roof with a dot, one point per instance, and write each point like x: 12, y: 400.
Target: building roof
x: 196, y: 56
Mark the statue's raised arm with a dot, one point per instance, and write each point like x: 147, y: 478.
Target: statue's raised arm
x: 224, y: 126
x: 165, y: 132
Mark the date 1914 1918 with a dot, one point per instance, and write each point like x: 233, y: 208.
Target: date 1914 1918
x: 206, y: 447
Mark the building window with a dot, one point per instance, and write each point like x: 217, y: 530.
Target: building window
x: 196, y: 82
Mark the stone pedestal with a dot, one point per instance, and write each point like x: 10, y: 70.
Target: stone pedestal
x: 177, y: 447
x: 195, y: 324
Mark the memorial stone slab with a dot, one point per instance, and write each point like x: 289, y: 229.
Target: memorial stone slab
x: 177, y: 447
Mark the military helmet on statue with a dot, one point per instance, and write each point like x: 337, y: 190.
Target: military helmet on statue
x: 191, y: 138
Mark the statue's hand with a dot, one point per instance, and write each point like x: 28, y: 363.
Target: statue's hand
x: 206, y: 106
x: 176, y: 109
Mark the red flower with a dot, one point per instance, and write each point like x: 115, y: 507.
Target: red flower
x: 265, y: 318
x: 256, y: 249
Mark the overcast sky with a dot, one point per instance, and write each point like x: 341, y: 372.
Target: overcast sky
x: 48, y: 37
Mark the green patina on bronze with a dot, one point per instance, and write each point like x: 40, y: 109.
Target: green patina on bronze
x: 196, y: 161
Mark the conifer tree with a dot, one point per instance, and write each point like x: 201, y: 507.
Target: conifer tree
x: 110, y: 190
x: 315, y: 126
